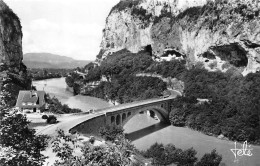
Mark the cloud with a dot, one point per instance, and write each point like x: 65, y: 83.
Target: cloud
x: 67, y: 27
x: 80, y: 41
x: 43, y: 24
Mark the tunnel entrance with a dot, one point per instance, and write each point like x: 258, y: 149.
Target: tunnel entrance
x: 149, y: 49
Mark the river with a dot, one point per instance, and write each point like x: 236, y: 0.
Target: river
x: 57, y: 87
x: 143, y: 130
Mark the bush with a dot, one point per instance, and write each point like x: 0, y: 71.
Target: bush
x: 169, y: 154
x: 212, y: 158
x: 177, y: 117
x: 92, y: 139
x: 111, y: 133
x: 51, y: 119
x: 44, y: 117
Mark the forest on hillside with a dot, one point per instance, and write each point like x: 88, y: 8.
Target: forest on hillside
x: 41, y: 74
x: 232, y: 106
x: 120, y: 84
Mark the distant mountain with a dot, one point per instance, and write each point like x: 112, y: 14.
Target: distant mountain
x: 47, y: 60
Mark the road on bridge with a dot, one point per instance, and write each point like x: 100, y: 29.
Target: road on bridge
x: 70, y: 121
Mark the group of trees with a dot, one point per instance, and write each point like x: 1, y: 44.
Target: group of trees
x: 173, y: 68
x: 55, y: 106
x: 41, y: 74
x: 19, y: 144
x: 121, y: 84
x: 116, y: 153
x: 129, y: 88
x: 111, y: 133
x: 232, y: 107
x: 169, y: 154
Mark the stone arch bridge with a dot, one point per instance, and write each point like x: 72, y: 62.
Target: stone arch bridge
x: 123, y: 113
x: 119, y: 115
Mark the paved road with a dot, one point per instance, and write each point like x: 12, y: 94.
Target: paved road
x: 66, y: 123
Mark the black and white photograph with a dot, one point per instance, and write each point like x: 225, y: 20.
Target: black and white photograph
x: 130, y: 82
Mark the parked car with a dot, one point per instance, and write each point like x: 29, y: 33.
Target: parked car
x: 91, y: 111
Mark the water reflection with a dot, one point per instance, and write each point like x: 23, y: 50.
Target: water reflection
x: 145, y: 131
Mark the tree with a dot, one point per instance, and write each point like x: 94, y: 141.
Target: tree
x: 116, y: 154
x: 20, y: 144
x: 187, y: 157
x: 212, y: 159
x: 155, y: 152
x: 177, y: 117
x: 165, y: 155
x: 111, y: 133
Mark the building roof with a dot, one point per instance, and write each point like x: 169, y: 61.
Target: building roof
x: 30, y: 97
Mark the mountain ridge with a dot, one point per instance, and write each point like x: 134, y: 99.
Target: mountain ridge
x: 49, y: 60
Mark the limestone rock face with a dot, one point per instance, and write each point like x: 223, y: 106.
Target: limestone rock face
x: 129, y: 23
x: 221, y: 34
x: 10, y: 37
x: 13, y: 73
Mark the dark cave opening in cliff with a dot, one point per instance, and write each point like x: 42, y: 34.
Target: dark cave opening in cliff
x: 208, y: 55
x: 149, y: 49
x: 233, y: 53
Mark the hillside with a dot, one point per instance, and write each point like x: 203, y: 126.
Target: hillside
x: 210, y: 47
x: 47, y: 60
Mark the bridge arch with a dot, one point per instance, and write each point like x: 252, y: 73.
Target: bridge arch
x: 113, y: 120
x: 118, y: 119
x: 160, y: 112
x: 123, y: 117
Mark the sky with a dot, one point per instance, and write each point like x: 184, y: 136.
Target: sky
x: 70, y: 28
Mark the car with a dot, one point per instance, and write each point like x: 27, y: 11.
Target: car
x: 166, y: 96
x: 91, y: 111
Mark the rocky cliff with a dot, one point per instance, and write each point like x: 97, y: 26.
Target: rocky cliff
x: 13, y: 73
x: 220, y: 34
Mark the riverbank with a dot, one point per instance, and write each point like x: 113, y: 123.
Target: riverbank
x: 58, y: 88
x: 145, y: 131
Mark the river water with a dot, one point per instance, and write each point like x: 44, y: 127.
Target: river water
x: 144, y: 131
x: 57, y: 87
